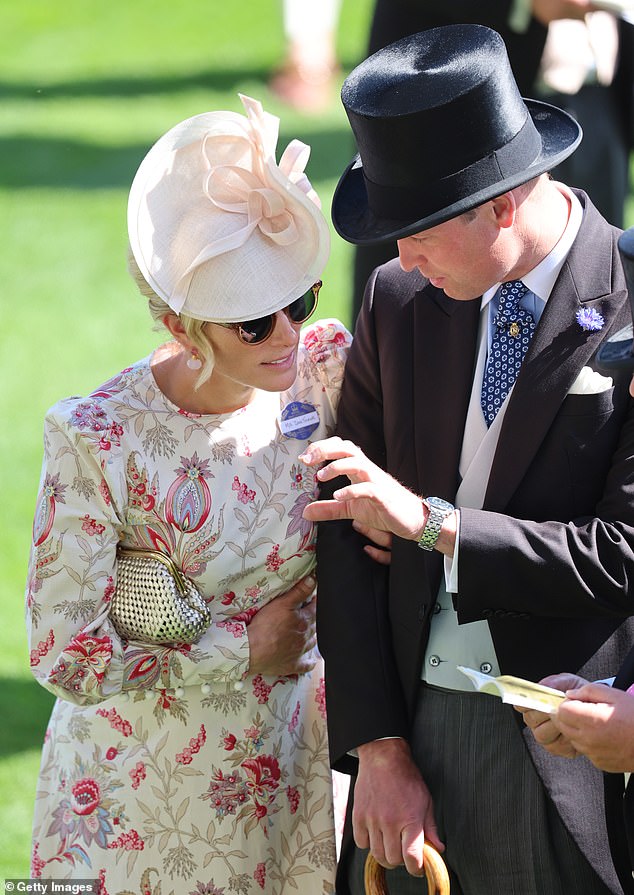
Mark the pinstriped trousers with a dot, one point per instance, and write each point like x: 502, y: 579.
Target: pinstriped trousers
x: 502, y: 834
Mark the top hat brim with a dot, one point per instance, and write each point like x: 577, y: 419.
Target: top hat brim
x: 354, y: 220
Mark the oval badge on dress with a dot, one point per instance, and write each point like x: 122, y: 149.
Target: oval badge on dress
x: 298, y: 420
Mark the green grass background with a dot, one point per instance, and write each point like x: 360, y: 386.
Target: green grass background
x: 85, y: 89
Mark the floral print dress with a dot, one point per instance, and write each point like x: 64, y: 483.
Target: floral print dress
x: 169, y: 769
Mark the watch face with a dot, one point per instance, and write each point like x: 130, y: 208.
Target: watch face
x: 440, y: 503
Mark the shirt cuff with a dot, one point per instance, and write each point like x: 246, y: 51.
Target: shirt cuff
x: 355, y: 752
x: 451, y: 562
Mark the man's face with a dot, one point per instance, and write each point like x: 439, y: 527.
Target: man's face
x: 632, y: 387
x: 463, y: 256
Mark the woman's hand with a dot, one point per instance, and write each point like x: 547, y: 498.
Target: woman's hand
x: 282, y: 638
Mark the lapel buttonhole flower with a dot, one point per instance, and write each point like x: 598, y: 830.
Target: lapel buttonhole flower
x: 589, y: 320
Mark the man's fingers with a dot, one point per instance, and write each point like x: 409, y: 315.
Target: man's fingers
x: 334, y: 448
x: 360, y: 833
x: 533, y: 717
x: 381, y: 538
x: 325, y: 511
x: 383, y: 557
x: 412, y: 844
x: 596, y: 693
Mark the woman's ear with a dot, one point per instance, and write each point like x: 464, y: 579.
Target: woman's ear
x: 174, y: 325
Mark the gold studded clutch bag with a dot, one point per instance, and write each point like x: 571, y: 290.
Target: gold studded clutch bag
x: 154, y: 601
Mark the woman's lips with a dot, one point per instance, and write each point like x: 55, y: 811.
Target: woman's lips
x: 282, y: 363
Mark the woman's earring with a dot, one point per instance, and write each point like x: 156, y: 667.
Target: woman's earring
x: 194, y: 362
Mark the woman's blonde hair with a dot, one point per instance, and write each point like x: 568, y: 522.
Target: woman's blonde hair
x: 159, y: 309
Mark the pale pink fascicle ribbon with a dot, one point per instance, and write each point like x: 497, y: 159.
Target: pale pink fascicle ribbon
x: 253, y: 192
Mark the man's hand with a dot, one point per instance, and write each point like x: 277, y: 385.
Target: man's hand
x: 282, y: 637
x: 545, y: 727
x: 381, y: 549
x: 374, y: 498
x: 599, y: 723
x: 393, y: 811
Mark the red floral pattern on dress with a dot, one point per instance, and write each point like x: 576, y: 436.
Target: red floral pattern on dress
x: 292, y: 724
x: 138, y: 774
x: 83, y: 664
x: 274, y: 561
x: 41, y: 650
x: 128, y: 841
x: 188, y: 501
x: 259, y: 874
x: 91, y: 526
x: 116, y: 721
x: 245, y: 495
x: 37, y: 864
x: 195, y: 745
x: 292, y: 794
x: 320, y: 698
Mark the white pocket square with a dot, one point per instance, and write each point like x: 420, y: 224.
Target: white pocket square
x: 589, y: 382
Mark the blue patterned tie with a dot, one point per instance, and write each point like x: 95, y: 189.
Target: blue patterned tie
x: 514, y: 328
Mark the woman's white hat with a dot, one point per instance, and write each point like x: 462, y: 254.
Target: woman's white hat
x: 217, y: 228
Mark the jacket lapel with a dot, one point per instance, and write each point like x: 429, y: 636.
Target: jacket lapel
x: 445, y: 339
x: 558, y: 351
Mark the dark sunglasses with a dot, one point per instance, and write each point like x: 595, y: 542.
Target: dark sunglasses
x: 254, y: 332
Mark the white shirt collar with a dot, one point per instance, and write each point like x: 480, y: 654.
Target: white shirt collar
x: 541, y: 279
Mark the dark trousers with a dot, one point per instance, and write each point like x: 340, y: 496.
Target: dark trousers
x: 502, y: 833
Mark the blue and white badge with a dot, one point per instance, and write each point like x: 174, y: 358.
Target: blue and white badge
x: 298, y: 420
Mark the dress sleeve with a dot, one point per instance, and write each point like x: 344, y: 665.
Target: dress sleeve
x: 327, y: 344
x: 75, y: 651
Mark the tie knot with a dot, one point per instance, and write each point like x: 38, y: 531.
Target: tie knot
x: 511, y: 294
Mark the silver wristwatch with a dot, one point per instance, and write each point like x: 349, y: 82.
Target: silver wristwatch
x: 439, y: 509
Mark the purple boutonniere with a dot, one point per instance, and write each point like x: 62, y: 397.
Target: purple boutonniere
x: 589, y: 320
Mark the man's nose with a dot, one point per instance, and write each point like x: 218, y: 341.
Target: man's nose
x: 408, y: 253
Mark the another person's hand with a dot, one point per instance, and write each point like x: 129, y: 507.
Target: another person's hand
x: 545, y: 727
x: 282, y: 638
x: 393, y: 811
x: 547, y: 11
x: 599, y: 723
x: 374, y: 498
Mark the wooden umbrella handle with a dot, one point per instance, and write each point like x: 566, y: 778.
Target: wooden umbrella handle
x: 435, y: 872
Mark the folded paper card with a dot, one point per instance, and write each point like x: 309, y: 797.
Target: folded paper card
x: 515, y: 690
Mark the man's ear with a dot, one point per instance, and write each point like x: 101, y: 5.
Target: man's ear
x: 504, y: 209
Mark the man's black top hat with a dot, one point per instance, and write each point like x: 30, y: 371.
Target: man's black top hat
x: 441, y: 128
x: 618, y: 351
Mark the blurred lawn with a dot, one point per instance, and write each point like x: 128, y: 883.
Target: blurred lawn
x: 85, y: 89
